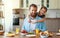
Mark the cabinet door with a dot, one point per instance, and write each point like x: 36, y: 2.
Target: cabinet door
x: 51, y: 14
x: 16, y: 3
x: 58, y: 4
x: 52, y: 24
x: 58, y: 13
x: 37, y: 2
x: 53, y: 4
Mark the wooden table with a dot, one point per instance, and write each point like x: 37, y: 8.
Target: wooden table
x: 20, y: 36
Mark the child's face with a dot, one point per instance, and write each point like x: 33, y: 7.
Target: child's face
x: 43, y: 11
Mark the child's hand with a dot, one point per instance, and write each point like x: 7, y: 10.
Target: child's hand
x: 33, y: 21
x: 29, y: 21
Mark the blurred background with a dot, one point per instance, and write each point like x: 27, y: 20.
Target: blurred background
x: 13, y: 12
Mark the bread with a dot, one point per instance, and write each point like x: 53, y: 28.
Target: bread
x: 1, y: 32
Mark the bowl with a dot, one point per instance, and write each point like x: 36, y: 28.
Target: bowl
x: 43, y: 36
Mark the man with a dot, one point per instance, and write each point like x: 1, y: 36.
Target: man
x: 27, y: 26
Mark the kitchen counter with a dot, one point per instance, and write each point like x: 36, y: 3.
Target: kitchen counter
x: 20, y: 36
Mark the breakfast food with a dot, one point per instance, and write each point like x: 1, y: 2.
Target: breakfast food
x: 24, y: 31
x: 46, y: 32
x: 1, y: 32
x: 49, y: 34
x: 10, y: 34
x: 30, y: 33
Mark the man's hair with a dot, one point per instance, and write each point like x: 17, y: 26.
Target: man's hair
x: 33, y: 5
x: 44, y: 8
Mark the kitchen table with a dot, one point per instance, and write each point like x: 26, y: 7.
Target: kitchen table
x: 20, y: 36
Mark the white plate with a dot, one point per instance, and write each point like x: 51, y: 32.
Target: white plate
x: 57, y: 33
x: 30, y: 35
x: 23, y: 33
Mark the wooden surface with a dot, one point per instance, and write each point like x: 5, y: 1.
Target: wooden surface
x: 20, y: 36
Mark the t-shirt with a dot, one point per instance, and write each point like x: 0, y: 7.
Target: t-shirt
x: 42, y: 16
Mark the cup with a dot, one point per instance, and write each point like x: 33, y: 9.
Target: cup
x: 37, y: 31
x: 17, y: 30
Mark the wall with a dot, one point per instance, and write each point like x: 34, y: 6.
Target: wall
x: 53, y: 24
x: 53, y: 13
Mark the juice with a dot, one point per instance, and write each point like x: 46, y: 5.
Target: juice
x: 37, y: 31
x: 17, y: 30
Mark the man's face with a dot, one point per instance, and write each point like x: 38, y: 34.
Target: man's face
x: 33, y: 11
x: 43, y: 11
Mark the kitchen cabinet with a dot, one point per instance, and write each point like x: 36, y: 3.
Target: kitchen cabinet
x: 58, y: 13
x: 37, y: 2
x: 27, y: 3
x: 52, y: 9
x: 51, y: 13
x: 58, y: 4
x: 1, y: 15
x: 53, y: 4
x: 53, y: 24
x: 2, y: 23
x: 16, y: 3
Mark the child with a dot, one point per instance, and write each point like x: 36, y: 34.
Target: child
x: 41, y: 14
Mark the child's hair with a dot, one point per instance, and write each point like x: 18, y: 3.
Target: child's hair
x: 44, y: 8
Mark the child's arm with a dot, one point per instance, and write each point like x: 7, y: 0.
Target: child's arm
x: 42, y: 20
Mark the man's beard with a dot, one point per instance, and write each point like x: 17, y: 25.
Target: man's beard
x: 33, y: 15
